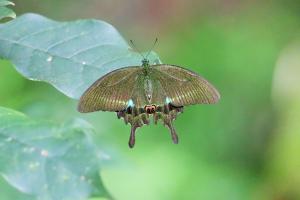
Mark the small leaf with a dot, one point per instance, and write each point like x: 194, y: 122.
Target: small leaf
x: 6, y: 3
x: 68, y: 55
x: 47, y: 160
x: 6, y: 12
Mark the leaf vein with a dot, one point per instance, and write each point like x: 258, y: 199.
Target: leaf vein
x: 41, y: 31
x: 88, y: 49
x: 44, y: 51
x: 66, y: 40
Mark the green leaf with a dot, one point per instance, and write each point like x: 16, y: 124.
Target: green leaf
x: 68, y: 55
x: 50, y: 161
x: 6, y: 3
x: 6, y: 12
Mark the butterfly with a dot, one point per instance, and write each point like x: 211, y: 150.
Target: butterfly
x: 137, y: 92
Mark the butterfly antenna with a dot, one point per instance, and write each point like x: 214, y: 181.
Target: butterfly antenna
x: 156, y: 40
x: 136, y: 49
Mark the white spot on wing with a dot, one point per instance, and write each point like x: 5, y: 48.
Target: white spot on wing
x: 130, y: 103
x: 168, y: 100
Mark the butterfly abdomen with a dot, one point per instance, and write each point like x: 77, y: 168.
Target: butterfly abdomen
x: 148, y: 89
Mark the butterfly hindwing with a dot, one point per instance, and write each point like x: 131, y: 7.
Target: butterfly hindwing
x: 111, y: 92
x: 185, y: 87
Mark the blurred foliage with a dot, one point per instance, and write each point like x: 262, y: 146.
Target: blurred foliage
x: 41, y: 158
x: 246, y: 147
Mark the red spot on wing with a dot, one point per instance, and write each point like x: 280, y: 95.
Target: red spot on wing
x: 150, y: 109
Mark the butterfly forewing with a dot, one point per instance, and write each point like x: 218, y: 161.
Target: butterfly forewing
x: 185, y: 87
x: 111, y: 92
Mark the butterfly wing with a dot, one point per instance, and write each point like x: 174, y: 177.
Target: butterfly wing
x: 184, y: 87
x: 111, y: 92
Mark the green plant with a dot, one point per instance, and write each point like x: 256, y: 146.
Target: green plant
x: 68, y: 55
x: 41, y: 158
x: 57, y: 161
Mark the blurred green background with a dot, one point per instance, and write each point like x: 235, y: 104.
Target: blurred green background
x: 245, y: 147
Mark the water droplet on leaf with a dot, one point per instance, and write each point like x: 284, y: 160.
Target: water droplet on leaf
x: 49, y: 59
x: 82, y: 178
x: 44, y: 153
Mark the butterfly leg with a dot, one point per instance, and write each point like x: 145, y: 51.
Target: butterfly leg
x: 145, y: 119
x: 132, y: 136
x: 169, y: 114
x: 156, y: 117
x: 174, y: 135
x: 136, y: 123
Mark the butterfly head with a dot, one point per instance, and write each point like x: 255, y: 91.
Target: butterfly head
x: 145, y: 62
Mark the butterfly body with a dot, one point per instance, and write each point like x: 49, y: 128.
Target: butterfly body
x: 138, y: 92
